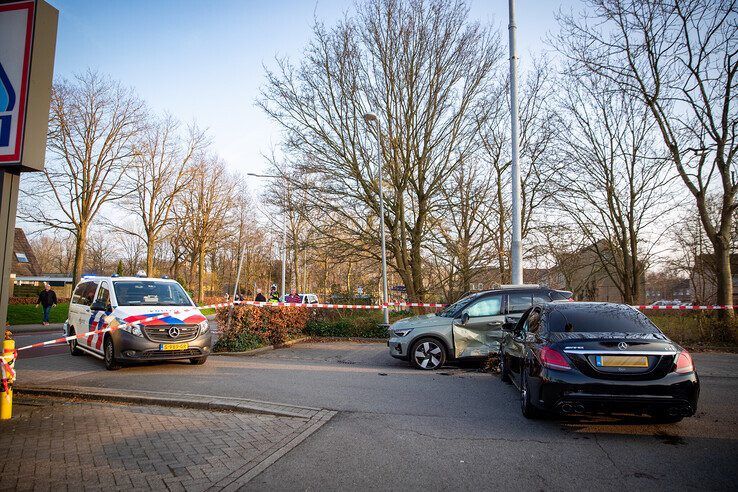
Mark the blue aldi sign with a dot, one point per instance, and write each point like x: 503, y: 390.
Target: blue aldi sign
x: 16, y: 35
x: 27, y: 45
x: 7, y: 105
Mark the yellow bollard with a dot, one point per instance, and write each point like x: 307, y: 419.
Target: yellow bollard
x: 8, y: 377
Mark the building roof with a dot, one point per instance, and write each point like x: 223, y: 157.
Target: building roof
x: 24, y: 260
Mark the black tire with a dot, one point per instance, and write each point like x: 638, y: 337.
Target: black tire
x: 73, y: 345
x: 198, y: 361
x: 504, y: 371
x: 111, y: 364
x: 428, y: 354
x: 526, y: 407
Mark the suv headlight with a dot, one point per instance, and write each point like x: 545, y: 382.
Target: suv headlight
x: 401, y: 332
x: 204, y: 327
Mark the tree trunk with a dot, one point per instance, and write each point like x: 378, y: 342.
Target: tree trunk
x: 723, y: 275
x: 150, y: 244
x: 200, y: 274
x: 79, y: 253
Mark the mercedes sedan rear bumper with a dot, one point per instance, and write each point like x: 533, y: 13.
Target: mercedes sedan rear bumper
x: 572, y: 392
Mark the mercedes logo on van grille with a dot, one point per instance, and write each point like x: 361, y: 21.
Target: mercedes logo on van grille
x: 174, y: 332
x: 621, y: 345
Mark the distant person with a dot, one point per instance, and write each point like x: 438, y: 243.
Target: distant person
x: 273, y: 294
x: 47, y: 300
x: 238, y: 297
x: 259, y: 296
x: 293, y: 297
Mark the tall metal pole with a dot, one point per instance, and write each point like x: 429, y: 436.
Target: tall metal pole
x: 284, y: 236
x: 516, y: 250
x: 235, y: 287
x: 385, y: 309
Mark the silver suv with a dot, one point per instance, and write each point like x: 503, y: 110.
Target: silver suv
x: 469, y: 328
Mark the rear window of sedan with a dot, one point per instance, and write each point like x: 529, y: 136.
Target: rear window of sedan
x: 598, y: 319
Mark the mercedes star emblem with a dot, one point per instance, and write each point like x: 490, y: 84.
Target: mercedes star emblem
x: 174, y: 332
x: 622, y: 345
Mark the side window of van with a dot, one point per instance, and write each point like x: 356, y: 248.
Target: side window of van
x: 103, y: 295
x: 84, y: 293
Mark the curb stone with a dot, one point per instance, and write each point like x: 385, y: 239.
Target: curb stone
x: 185, y: 400
x: 267, y: 348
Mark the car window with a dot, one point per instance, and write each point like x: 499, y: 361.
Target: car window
x: 519, y: 302
x: 489, y: 306
x: 557, y: 295
x: 150, y: 293
x: 534, y: 321
x: 84, y: 293
x: 603, y: 319
x: 451, y: 310
x: 103, y: 294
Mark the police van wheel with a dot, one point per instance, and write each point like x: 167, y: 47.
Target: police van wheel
x: 198, y: 361
x: 73, y: 348
x: 110, y: 363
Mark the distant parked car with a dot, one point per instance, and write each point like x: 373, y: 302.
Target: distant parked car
x: 597, y: 357
x: 469, y: 328
x: 309, y: 298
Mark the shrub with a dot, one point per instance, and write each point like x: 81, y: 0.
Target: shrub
x: 33, y: 300
x: 365, y: 325
x: 250, y: 324
x: 708, y: 327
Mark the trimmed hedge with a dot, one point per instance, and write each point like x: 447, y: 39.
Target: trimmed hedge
x: 251, y: 326
x: 33, y: 300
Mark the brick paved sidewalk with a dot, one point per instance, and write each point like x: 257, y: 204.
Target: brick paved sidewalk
x: 55, y: 444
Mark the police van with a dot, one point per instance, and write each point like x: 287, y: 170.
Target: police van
x: 98, y: 302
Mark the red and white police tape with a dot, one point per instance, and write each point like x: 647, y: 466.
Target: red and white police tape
x: 319, y: 305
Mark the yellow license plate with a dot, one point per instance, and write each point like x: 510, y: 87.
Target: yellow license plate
x: 174, y: 346
x: 622, y: 361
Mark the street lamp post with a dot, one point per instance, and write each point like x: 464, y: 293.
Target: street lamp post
x: 516, y: 250
x: 284, y: 226
x: 369, y: 117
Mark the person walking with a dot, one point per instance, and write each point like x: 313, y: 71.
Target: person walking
x: 293, y: 297
x: 259, y: 296
x: 47, y: 300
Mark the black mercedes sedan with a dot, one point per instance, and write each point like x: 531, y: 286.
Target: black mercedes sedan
x: 596, y: 357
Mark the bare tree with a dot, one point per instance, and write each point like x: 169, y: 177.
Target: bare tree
x: 616, y: 185
x: 92, y: 126
x: 160, y: 171
x: 56, y: 252
x: 422, y: 68
x: 204, y: 212
x: 462, y: 247
x: 679, y: 58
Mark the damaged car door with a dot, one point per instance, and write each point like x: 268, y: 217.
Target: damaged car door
x: 478, y: 331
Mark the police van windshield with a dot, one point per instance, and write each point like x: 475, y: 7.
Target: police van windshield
x: 150, y: 293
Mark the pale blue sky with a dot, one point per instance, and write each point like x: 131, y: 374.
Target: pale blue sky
x: 203, y: 59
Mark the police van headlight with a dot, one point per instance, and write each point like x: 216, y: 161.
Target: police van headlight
x: 134, y: 330
x: 204, y: 327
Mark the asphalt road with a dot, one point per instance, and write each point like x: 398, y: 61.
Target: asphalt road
x: 458, y: 428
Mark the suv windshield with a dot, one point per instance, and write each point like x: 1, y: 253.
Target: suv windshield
x: 450, y: 310
x: 150, y: 293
